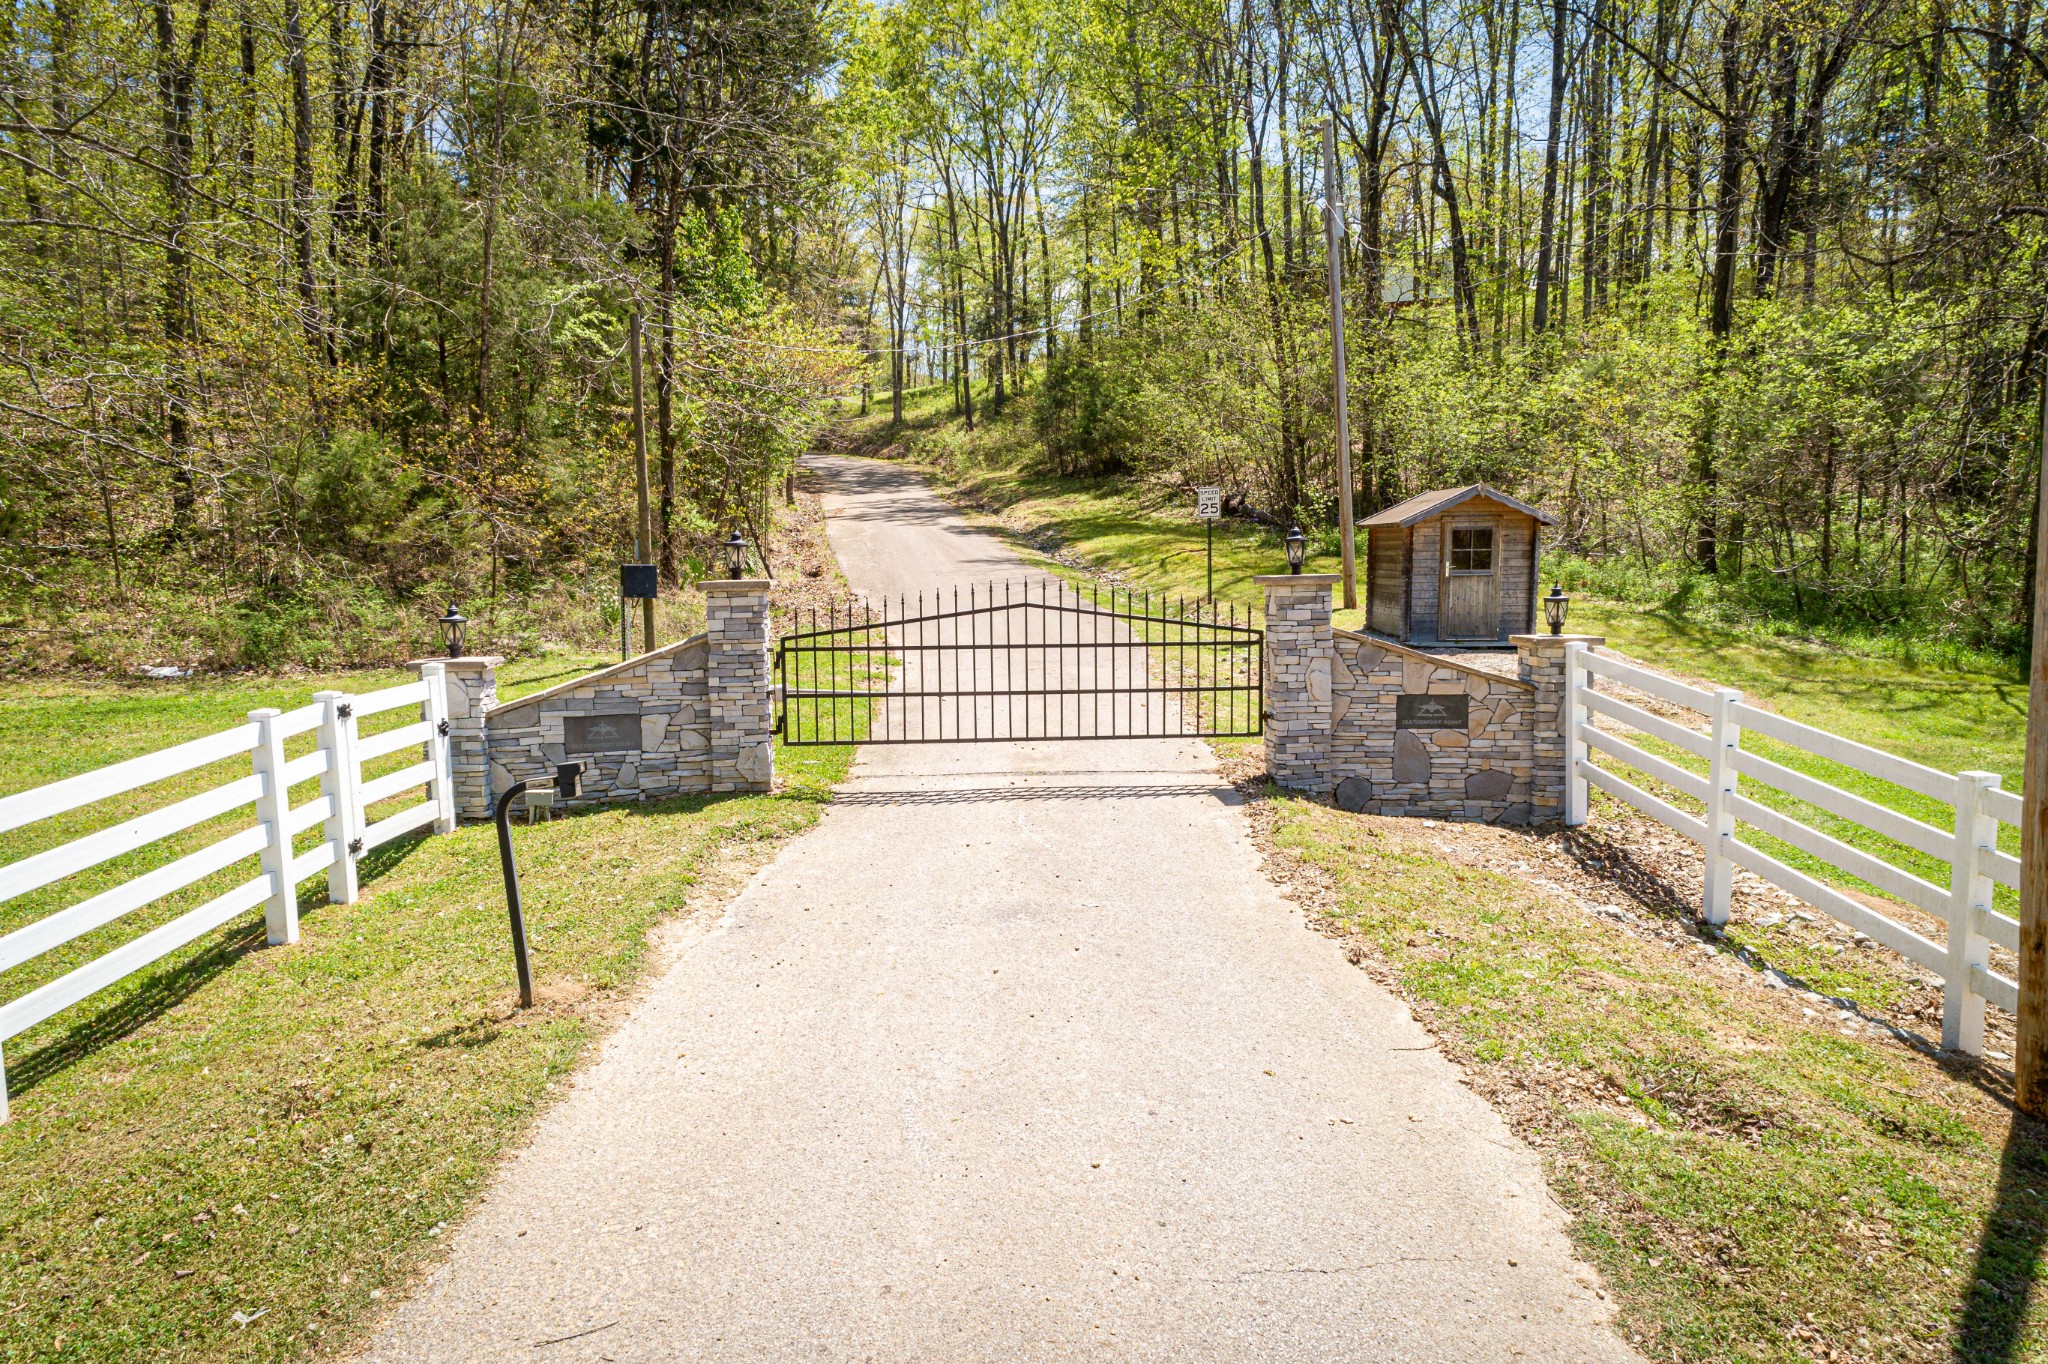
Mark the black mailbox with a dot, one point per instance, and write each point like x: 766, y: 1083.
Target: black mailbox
x: 637, y: 582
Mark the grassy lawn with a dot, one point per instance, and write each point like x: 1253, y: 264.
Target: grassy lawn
x: 1948, y: 719
x: 1754, y: 1179
x: 278, y: 1137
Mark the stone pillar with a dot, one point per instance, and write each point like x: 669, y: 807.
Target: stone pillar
x: 1540, y: 663
x: 472, y: 693
x: 736, y: 684
x: 1299, y: 651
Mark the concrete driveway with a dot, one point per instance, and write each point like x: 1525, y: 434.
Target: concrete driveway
x: 1016, y: 1056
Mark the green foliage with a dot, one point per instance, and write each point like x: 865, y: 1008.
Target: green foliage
x: 279, y: 379
x: 1088, y: 409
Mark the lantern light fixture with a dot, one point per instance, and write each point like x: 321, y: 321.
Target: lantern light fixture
x: 1554, y: 607
x: 1297, y: 549
x: 736, y: 557
x: 453, y: 627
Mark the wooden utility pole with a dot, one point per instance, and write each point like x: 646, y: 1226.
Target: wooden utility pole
x: 2030, y: 1051
x: 1333, y: 249
x: 643, y: 550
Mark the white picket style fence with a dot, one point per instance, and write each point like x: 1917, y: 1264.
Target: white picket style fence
x: 337, y: 759
x: 1970, y: 847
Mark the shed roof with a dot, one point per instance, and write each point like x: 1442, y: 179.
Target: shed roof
x: 1425, y: 505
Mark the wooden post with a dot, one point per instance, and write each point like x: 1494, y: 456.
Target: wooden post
x: 644, y: 548
x: 1576, y: 798
x: 1976, y: 828
x: 1333, y: 250
x: 339, y: 784
x: 2030, y: 1054
x: 1726, y: 736
x: 273, y: 808
x: 435, y: 711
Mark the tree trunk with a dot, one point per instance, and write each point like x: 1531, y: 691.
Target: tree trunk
x: 1547, y: 236
x: 177, y: 79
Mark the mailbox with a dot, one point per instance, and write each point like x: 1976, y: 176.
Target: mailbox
x: 637, y: 582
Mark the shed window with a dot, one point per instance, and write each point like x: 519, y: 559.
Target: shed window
x: 1471, y: 549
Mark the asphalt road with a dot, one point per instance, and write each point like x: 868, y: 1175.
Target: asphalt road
x: 1017, y: 1056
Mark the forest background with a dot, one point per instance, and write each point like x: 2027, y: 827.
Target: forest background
x: 311, y: 317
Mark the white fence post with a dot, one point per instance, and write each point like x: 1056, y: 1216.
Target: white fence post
x: 340, y: 785
x: 1575, y: 796
x: 1724, y: 735
x: 1962, y: 1010
x: 281, y: 910
x: 435, y: 711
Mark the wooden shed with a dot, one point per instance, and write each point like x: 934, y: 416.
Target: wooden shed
x: 1454, y: 566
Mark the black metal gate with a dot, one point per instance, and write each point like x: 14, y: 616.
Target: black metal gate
x: 1039, y: 659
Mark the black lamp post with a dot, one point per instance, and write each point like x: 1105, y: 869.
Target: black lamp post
x: 566, y: 775
x: 452, y: 627
x: 736, y: 557
x: 1297, y: 549
x: 1554, y: 607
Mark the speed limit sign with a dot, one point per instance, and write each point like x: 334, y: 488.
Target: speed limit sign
x: 1208, y: 503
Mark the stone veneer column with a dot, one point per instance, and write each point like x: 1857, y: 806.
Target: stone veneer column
x: 737, y: 686
x: 1299, y: 650
x: 1541, y: 664
x: 472, y: 693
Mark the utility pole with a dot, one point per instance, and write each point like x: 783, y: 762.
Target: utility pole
x: 1333, y: 248
x: 2030, y: 1049
x: 643, y: 551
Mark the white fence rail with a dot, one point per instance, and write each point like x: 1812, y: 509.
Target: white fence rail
x: 1969, y: 846
x: 337, y: 758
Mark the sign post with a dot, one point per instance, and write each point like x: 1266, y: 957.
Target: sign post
x: 1208, y: 507
x: 1333, y: 247
x: 643, y: 549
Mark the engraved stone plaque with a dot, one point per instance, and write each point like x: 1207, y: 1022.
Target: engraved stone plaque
x: 1431, y: 712
x: 618, y: 732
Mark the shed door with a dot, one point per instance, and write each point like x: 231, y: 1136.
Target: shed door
x: 1471, y: 581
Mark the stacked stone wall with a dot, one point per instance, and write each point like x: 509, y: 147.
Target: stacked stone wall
x: 742, y: 706
x: 1481, y: 770
x: 1376, y: 726
x: 693, y: 716
x: 642, y: 730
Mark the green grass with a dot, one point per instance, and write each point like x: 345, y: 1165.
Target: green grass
x: 1751, y: 1183
x: 1946, y: 718
x: 288, y: 1131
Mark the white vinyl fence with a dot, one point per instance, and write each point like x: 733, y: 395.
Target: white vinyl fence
x: 337, y: 758
x: 1970, y: 846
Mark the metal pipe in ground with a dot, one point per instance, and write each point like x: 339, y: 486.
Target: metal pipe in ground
x: 565, y: 783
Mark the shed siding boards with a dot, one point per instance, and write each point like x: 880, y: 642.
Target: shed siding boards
x: 1517, y: 573
x: 1426, y: 566
x: 1385, y: 553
